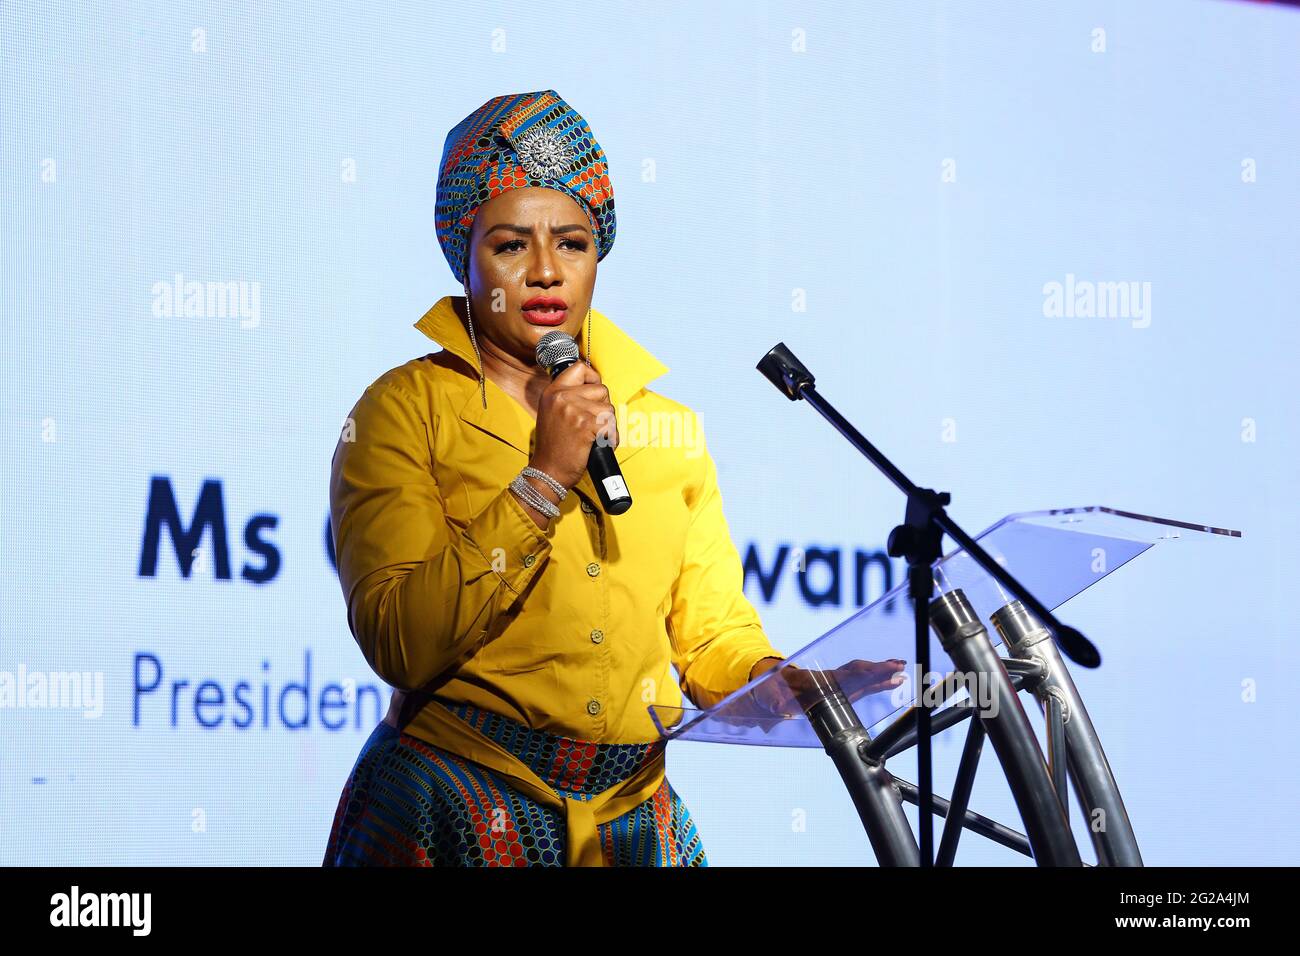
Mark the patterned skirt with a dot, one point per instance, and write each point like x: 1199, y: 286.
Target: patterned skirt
x: 410, y: 803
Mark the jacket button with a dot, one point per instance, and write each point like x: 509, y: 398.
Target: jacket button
x: 593, y: 569
x: 586, y: 506
x: 593, y: 707
x: 597, y: 635
x: 529, y: 560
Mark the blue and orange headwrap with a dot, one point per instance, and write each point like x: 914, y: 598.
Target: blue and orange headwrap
x: 513, y: 141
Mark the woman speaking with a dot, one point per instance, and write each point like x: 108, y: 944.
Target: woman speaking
x: 525, y: 630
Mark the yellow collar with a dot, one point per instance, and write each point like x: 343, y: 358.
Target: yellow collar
x: 625, y: 366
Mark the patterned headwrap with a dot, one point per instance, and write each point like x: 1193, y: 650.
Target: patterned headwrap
x: 513, y: 141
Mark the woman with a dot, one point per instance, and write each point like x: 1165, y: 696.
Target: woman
x: 526, y: 631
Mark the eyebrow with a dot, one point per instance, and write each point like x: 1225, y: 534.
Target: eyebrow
x: 525, y: 231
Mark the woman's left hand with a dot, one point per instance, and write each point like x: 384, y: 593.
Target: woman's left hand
x: 788, y: 693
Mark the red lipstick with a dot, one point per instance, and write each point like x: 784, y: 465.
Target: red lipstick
x: 545, y: 310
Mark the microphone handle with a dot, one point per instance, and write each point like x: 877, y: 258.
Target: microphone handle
x: 606, y: 475
x: 603, y: 468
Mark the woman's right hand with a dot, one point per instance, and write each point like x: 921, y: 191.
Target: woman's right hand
x: 572, y: 413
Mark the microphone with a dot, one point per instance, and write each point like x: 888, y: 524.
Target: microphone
x: 555, y: 352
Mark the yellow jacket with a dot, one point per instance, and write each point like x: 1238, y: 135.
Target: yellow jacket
x: 452, y: 589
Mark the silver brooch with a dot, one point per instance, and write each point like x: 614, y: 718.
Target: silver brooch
x: 544, y: 154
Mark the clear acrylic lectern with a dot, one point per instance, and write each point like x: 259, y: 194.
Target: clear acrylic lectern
x: 1056, y: 555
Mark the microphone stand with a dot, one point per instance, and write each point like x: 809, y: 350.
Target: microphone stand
x: 919, y: 540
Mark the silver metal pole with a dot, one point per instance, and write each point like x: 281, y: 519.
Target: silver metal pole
x: 1109, y: 827
x: 877, y: 799
x: 967, y: 642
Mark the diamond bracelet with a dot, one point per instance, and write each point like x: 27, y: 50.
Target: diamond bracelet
x: 531, y: 496
x: 558, y: 488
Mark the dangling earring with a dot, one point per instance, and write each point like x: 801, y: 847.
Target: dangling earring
x: 587, y: 358
x: 482, y: 383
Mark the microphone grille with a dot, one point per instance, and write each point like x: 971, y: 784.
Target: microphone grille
x: 556, y: 347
